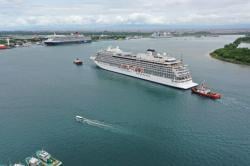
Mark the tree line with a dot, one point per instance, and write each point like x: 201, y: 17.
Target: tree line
x: 232, y: 53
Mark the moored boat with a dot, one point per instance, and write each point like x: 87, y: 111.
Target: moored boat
x: 204, y: 91
x: 18, y: 164
x: 47, y: 159
x: 32, y: 161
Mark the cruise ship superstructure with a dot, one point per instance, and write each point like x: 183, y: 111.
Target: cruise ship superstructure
x: 151, y: 66
x: 67, y: 39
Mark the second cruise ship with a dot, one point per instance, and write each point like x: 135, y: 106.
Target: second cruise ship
x: 151, y: 66
x: 74, y: 38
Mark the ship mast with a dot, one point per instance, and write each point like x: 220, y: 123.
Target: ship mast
x: 8, y: 41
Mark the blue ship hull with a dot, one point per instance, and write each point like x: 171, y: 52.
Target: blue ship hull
x: 54, y: 43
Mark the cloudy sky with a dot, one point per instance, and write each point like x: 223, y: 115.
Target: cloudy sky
x: 28, y: 14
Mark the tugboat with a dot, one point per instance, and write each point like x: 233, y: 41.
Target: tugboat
x: 77, y: 61
x: 204, y: 91
x: 47, y: 159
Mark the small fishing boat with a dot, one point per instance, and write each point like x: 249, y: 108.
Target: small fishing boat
x: 205, y: 91
x: 77, y: 61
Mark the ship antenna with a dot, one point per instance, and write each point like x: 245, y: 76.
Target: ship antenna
x: 203, y: 83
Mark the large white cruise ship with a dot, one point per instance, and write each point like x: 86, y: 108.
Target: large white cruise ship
x: 74, y: 38
x: 151, y: 66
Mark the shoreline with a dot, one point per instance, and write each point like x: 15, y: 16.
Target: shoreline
x: 215, y: 56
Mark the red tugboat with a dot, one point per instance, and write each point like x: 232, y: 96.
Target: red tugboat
x: 204, y: 91
x: 77, y: 61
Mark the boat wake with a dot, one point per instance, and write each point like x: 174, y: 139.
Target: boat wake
x: 97, y: 123
x: 105, y: 126
x: 94, y: 123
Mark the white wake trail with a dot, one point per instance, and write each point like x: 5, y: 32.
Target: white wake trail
x: 94, y: 123
x: 102, y: 125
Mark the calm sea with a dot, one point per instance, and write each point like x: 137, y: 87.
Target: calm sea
x: 141, y: 123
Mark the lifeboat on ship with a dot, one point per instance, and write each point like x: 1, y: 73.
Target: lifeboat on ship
x: 202, y: 90
x: 139, y: 70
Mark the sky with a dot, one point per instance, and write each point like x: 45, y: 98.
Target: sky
x: 85, y: 14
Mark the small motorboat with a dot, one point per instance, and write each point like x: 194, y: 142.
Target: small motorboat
x: 77, y: 61
x: 204, y: 91
x: 79, y: 118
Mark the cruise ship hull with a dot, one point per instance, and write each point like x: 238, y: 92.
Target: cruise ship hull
x: 148, y: 77
x: 54, y: 43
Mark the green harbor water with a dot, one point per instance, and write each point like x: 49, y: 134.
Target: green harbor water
x: 138, y: 122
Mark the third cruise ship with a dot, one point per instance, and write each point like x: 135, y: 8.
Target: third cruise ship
x: 151, y: 66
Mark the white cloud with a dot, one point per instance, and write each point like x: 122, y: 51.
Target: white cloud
x: 11, y: 1
x: 16, y: 13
